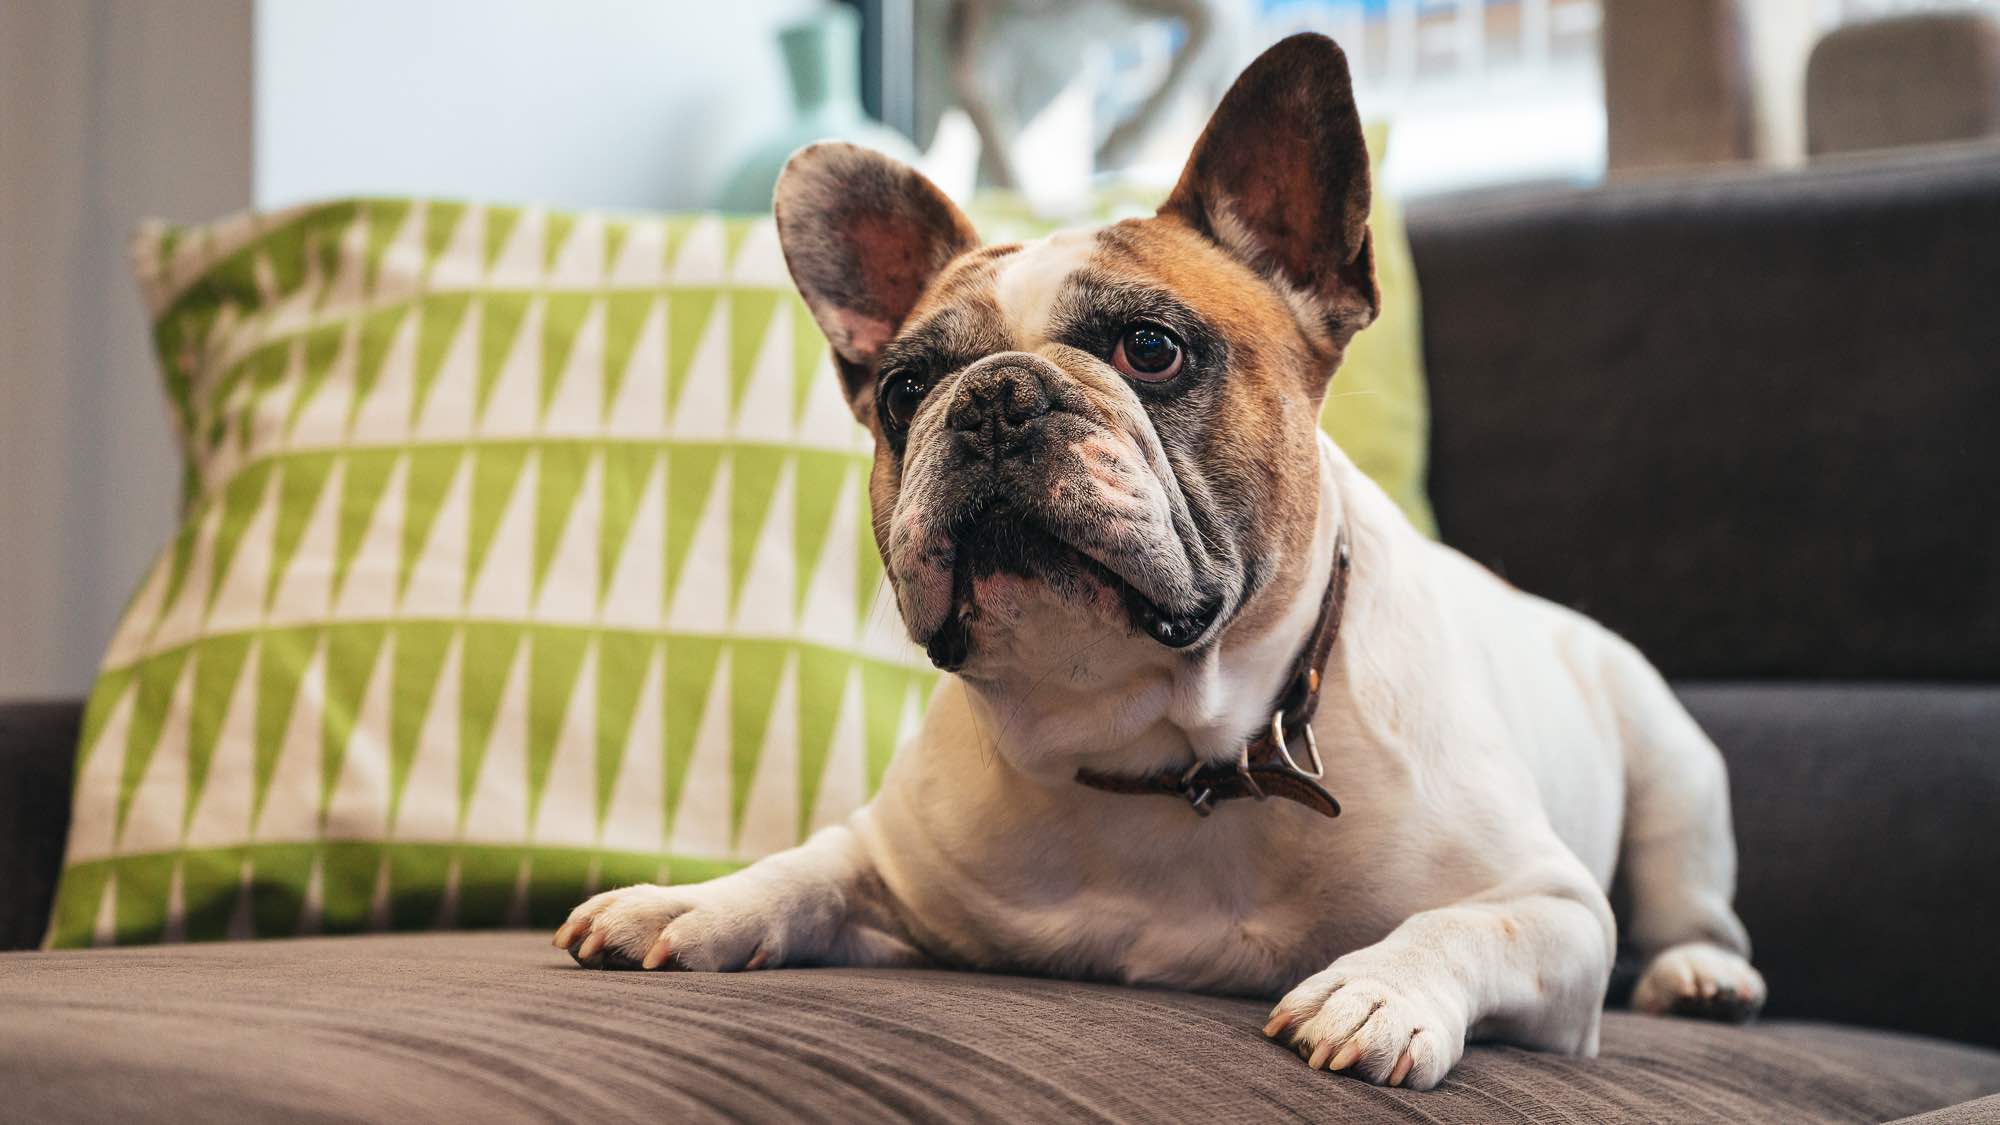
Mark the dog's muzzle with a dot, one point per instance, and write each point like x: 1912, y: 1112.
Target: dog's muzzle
x: 1015, y: 495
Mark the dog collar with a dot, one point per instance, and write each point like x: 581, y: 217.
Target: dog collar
x: 1265, y: 766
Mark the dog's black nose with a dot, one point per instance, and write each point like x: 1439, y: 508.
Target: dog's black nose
x: 996, y: 406
x: 1008, y: 392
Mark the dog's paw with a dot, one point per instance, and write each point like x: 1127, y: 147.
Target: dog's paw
x: 1701, y: 980
x: 1370, y: 1023
x: 651, y: 927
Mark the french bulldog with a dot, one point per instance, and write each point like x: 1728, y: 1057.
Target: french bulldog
x: 1182, y: 632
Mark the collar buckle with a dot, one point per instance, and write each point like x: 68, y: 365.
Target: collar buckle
x: 1199, y: 795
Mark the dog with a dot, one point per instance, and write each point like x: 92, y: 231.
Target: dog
x: 1183, y: 632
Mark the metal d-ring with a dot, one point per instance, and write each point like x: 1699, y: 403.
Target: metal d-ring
x: 1312, y: 748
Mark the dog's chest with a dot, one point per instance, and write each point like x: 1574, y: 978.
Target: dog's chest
x: 1141, y: 890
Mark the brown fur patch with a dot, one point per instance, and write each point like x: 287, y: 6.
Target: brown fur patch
x: 1280, y: 177
x: 1262, y: 444
x: 863, y: 236
x: 966, y: 280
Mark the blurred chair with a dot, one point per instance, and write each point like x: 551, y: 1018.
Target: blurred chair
x: 1677, y: 84
x: 1906, y: 80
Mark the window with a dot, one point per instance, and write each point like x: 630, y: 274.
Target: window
x: 1477, y: 92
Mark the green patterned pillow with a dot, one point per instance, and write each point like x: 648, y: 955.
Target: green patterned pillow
x: 524, y: 553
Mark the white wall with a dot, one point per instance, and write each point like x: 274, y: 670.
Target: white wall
x: 588, y: 103
x: 110, y: 110
x: 113, y: 110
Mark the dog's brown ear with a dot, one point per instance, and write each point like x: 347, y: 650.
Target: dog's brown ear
x: 863, y: 235
x: 1279, y: 178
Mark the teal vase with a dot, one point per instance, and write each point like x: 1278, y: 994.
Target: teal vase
x: 823, y: 56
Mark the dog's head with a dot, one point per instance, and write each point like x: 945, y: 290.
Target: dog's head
x: 1106, y: 436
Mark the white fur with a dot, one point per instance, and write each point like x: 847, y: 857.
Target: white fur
x: 1484, y: 744
x: 1027, y: 281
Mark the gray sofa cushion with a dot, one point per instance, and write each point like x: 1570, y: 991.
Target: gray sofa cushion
x: 1744, y: 419
x: 499, y: 1027
x: 1869, y: 864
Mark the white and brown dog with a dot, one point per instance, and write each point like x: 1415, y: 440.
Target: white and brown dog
x: 1107, y: 510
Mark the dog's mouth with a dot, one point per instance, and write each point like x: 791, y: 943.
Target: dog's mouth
x: 1009, y: 543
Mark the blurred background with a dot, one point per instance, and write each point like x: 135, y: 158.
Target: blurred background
x: 112, y: 110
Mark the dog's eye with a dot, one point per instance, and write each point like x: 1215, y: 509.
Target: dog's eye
x: 901, y: 396
x: 1148, y: 353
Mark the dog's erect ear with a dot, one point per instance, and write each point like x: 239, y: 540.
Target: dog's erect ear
x: 863, y: 235
x: 1279, y: 178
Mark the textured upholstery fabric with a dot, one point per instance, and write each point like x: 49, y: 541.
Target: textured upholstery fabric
x: 37, y: 758
x: 1745, y: 420
x: 499, y: 1027
x: 1984, y: 1111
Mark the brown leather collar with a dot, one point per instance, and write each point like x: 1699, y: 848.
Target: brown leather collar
x: 1265, y: 767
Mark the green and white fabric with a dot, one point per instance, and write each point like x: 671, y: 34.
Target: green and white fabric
x: 524, y: 553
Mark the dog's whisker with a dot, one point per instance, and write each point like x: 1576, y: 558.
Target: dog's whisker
x: 1029, y: 695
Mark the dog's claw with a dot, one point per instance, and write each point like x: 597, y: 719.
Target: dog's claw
x: 1361, y: 1025
x: 566, y: 934
x: 1279, y: 1022
x: 591, y: 946
x: 658, y: 954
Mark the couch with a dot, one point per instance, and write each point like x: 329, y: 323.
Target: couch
x: 1746, y: 419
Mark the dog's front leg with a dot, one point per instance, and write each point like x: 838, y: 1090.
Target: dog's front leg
x: 817, y: 904
x: 1524, y: 964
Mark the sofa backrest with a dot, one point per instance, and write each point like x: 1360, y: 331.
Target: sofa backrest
x: 1751, y: 421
